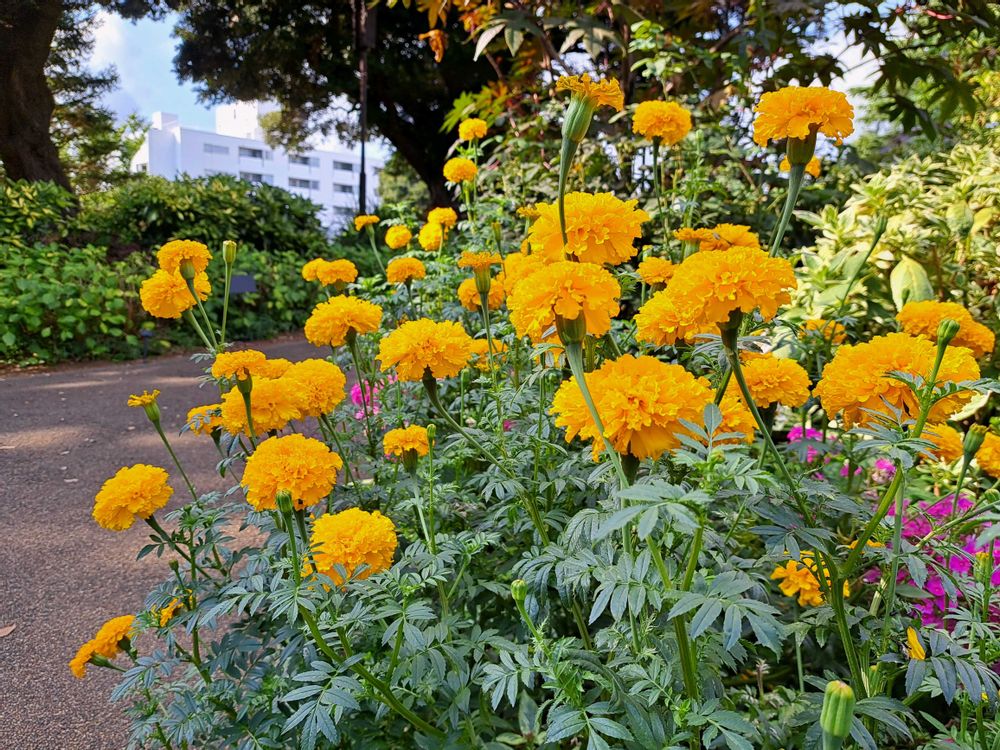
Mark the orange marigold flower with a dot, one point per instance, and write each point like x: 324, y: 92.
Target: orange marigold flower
x: 527, y: 212
x: 241, y: 365
x: 319, y: 385
x: 922, y: 319
x: 662, y: 322
x: 301, y: 466
x: 598, y: 93
x: 419, y: 345
x: 412, y: 438
x: 133, y: 492
x: 641, y: 401
x: 828, y: 330
x: 668, y: 122
x: 859, y: 378
x: 480, y: 358
x: 947, y: 441
x: 798, y: 579
x: 478, y: 261
x: 656, y: 271
x: 459, y: 169
x: 272, y: 404
x: 600, y: 228
x: 166, y: 614
x: 113, y: 632
x: 176, y: 252
x: 204, y: 419
x: 402, y: 270
x: 796, y: 112
x: 736, y: 418
x: 398, y: 236
x: 144, y: 399
x: 431, y: 236
x: 332, y: 321
x: 725, y: 236
x: 519, y: 266
x: 166, y: 295
x: 78, y: 664
x: 365, y: 220
x: 472, y: 129
x: 361, y: 543
x: 468, y: 295
x: 812, y: 167
x: 272, y: 368
x: 776, y: 380
x: 988, y: 455
x: 568, y: 290
x: 336, y: 272
x: 687, y: 234
x: 310, y: 268
x: 445, y: 216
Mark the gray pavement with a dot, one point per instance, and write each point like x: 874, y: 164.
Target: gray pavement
x: 63, y: 431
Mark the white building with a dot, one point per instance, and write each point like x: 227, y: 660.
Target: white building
x: 328, y: 177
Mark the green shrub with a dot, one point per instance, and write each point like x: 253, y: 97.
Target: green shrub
x: 31, y: 211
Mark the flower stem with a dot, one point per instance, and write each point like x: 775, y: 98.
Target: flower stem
x: 794, y: 186
x: 177, y: 462
x: 225, y: 300
x: 190, y: 318
x: 363, y: 379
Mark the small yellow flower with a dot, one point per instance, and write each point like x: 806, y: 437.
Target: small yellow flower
x: 922, y: 319
x: 361, y: 543
x: 828, y: 330
x: 597, y: 93
x: 988, y: 455
x: 317, y: 384
x: 78, y: 664
x: 656, y: 271
x: 914, y: 648
x: 398, y: 236
x: 947, y: 441
x: 725, y: 236
x: 333, y: 272
x: 144, y: 399
x: 412, y: 438
x: 776, y: 380
x: 113, y: 632
x: 273, y: 405
x: 459, y: 169
x: 133, y: 492
x: 402, y: 270
x: 668, y: 122
x: 472, y: 129
x: 176, y: 252
x: 166, y: 614
x: 296, y: 464
x: 165, y: 294
x: 431, y: 236
x: 365, y: 220
x: 468, y: 295
x: 331, y: 322
x: 423, y: 345
x: 687, y: 234
x: 478, y: 261
x: 241, y: 365
x: 203, y: 420
x: 812, y: 167
x: 445, y: 216
x: 798, y: 112
x: 600, y: 229
x: 527, y: 212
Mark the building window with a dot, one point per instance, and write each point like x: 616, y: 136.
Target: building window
x: 267, y: 179
x: 343, y: 188
x: 307, y: 161
x: 343, y: 211
x: 214, y: 148
x: 344, y: 165
x: 295, y: 182
x: 254, y: 153
x: 217, y: 172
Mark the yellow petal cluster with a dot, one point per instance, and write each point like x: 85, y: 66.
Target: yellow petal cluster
x: 360, y: 542
x: 302, y: 466
x: 736, y: 418
x: 165, y: 294
x: 604, y: 92
x: 796, y: 112
x: 331, y: 272
x: 656, y: 271
x: 412, y: 438
x: 398, y: 236
x: 144, y: 399
x: 828, y: 330
x: 402, y: 270
x: 431, y: 236
x: 725, y: 236
x: 318, y: 385
x: 600, y: 228
x: 776, y: 380
x: 813, y: 166
x: 241, y: 365
x: 365, y: 220
x: 272, y: 403
x: 568, y: 290
x: 459, y: 169
x: 988, y: 455
x: 668, y: 122
x: 472, y: 129
x: 133, y: 492
x: 799, y: 579
x: 204, y: 419
x: 104, y: 643
x: 922, y: 319
x: 519, y: 266
x: 175, y: 252
x: 330, y: 321
x: 417, y: 345
x: 468, y: 295
x: 947, y: 441
x: 444, y: 216
x: 478, y: 261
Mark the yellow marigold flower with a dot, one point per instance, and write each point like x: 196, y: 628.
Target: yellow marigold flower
x: 871, y: 544
x: 272, y: 368
x: 431, y: 236
x: 241, y: 365
x: 797, y: 112
x: 412, y: 438
x: 600, y: 228
x: 302, y: 466
x: 166, y: 294
x: 204, y: 419
x: 319, y: 385
x: 478, y: 261
x: 736, y: 418
x: 336, y: 272
x: 598, y: 93
x: 78, y: 664
x: 166, y: 614
x: 922, y: 319
x: 667, y: 121
x: 480, y: 358
x: 365, y: 220
x: 468, y: 295
x: 331, y: 321
x: 858, y: 377
x: 798, y: 579
x: 175, y: 252
x: 662, y: 322
x: 134, y: 491
x: 310, y: 268
x: 402, y: 270
x: 361, y: 543
x: 656, y: 271
x: 459, y: 169
x: 272, y: 404
x: 445, y: 216
x: 419, y: 345
x: 641, y: 401
x: 687, y: 234
x: 519, y: 266
x: 398, y: 236
x: 947, y: 441
x: 988, y: 455
x: 527, y: 212
x: 812, y: 166
x: 829, y: 330
x: 725, y: 236
x: 144, y: 399
x: 472, y: 129
x: 914, y: 648
x: 568, y: 290
x: 776, y: 380
x: 112, y: 633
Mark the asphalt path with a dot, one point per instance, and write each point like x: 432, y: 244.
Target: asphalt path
x: 63, y: 431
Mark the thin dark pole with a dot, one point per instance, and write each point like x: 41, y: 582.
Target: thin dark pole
x: 363, y: 33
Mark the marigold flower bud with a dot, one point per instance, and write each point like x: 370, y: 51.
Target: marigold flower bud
x: 431, y: 432
x: 571, y: 331
x: 973, y: 440
x: 245, y: 385
x: 483, y: 282
x: 579, y: 113
x: 229, y: 252
x: 283, y: 498
x: 947, y: 330
x: 187, y: 269
x: 837, y: 714
x: 519, y: 591
x: 801, y: 150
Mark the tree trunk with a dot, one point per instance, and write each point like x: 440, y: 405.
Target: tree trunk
x: 26, y: 103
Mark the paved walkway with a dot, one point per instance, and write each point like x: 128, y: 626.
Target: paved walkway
x: 62, y: 433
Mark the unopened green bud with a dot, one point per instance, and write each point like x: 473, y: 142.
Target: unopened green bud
x: 229, y: 252
x: 947, y: 330
x: 187, y: 269
x: 410, y: 459
x: 245, y: 385
x: 519, y: 591
x: 483, y: 282
x: 431, y: 432
x: 571, y: 331
x: 801, y: 150
x: 152, y: 412
x: 579, y: 113
x: 973, y: 440
x: 284, y: 501
x: 881, y: 223
x: 837, y: 714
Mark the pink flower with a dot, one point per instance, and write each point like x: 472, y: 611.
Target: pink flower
x: 799, y: 433
x: 361, y: 397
